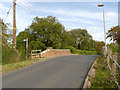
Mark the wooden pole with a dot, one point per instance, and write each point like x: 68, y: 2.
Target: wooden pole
x: 113, y: 64
x: 14, y: 24
x: 108, y: 60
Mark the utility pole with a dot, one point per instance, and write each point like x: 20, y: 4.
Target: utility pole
x: 14, y: 24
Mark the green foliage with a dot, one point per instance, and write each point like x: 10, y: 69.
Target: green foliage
x: 5, y: 33
x: 81, y: 37
x: 81, y: 52
x: 48, y: 32
x: 42, y: 33
x: 114, y: 47
x: 113, y: 33
x: 10, y: 55
x: 103, y: 78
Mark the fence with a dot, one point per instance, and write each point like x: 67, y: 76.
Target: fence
x: 111, y: 60
x: 37, y: 54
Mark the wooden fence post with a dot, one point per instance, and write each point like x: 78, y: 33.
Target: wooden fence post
x: 108, y: 57
x: 108, y: 60
x: 113, y: 64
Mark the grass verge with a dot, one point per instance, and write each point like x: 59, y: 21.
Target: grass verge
x: 13, y: 66
x: 103, y: 78
x: 81, y: 52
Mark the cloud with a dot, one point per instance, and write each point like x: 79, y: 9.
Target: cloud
x: 84, y: 14
x: 98, y: 33
x: 76, y: 20
x: 77, y: 13
x: 98, y: 36
x: 111, y: 16
x: 95, y: 29
x: 69, y: 13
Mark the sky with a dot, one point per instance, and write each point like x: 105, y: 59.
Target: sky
x: 73, y: 15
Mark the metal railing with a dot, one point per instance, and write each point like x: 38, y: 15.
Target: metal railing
x: 113, y: 67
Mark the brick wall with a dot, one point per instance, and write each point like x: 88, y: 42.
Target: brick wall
x: 52, y: 52
x: 55, y: 52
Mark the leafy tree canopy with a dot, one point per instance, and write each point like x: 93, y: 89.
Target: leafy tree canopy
x: 49, y: 32
x: 114, y: 34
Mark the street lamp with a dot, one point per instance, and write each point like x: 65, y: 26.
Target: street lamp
x: 102, y: 5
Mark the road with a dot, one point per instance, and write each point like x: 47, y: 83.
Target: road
x: 60, y: 72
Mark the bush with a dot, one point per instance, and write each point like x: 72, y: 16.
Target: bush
x: 72, y: 49
x: 81, y: 52
x: 10, y: 55
x: 114, y: 47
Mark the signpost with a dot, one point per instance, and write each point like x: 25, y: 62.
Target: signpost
x: 26, y: 47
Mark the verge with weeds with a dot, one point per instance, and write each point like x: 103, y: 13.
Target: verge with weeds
x: 103, y: 78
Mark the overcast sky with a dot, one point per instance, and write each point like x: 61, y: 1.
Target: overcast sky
x: 84, y: 15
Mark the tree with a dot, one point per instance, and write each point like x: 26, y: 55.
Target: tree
x: 49, y: 32
x: 6, y: 33
x: 113, y: 34
x: 81, y: 38
x: 42, y: 33
x: 99, y: 45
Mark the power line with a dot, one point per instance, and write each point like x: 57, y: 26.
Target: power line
x: 30, y: 7
x: 38, y: 9
x: 8, y: 12
x: 27, y: 9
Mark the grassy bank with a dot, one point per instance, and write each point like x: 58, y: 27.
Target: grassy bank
x: 103, y: 78
x: 81, y: 52
x: 13, y: 66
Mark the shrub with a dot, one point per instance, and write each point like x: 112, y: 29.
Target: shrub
x: 10, y: 55
x: 81, y: 52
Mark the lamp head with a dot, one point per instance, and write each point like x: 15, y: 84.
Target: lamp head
x: 100, y: 5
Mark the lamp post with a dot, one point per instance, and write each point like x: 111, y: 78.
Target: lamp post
x: 26, y: 47
x: 102, y: 5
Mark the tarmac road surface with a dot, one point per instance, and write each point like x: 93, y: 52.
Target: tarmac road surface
x: 59, y: 72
